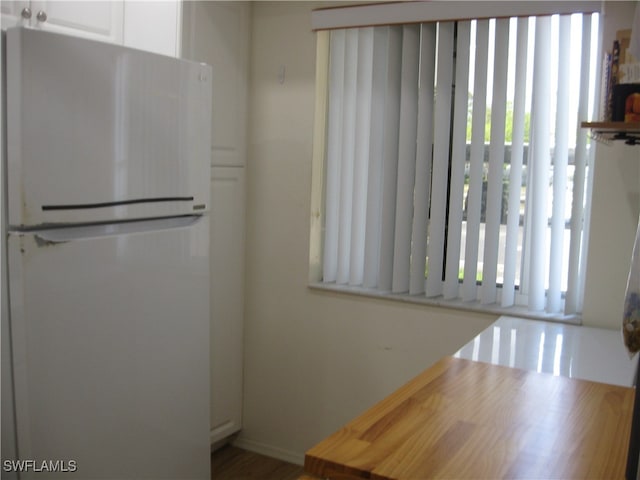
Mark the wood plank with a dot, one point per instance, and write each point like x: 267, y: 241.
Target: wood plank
x: 464, y: 419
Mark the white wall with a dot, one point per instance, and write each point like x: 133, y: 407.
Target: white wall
x: 315, y: 360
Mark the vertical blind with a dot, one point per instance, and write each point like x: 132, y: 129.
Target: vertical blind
x: 455, y: 165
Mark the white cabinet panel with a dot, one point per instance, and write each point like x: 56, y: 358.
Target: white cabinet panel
x: 100, y: 20
x: 217, y: 33
x: 11, y: 13
x: 227, y: 289
x: 153, y: 26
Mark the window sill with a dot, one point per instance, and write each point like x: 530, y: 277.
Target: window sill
x: 440, y: 302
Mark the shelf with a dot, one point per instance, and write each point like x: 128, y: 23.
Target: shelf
x: 631, y: 127
x: 629, y: 132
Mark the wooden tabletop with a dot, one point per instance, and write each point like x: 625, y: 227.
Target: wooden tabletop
x: 464, y: 419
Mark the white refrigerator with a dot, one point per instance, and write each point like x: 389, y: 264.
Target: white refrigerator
x: 106, y: 166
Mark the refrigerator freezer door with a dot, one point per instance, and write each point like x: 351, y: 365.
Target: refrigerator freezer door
x: 99, y: 132
x: 110, y: 331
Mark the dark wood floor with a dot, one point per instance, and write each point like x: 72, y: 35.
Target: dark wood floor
x: 232, y: 463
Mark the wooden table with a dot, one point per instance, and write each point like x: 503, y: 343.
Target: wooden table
x: 464, y: 419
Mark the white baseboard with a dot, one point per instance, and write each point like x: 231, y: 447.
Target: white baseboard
x: 221, y: 432
x: 217, y: 445
x: 296, y: 458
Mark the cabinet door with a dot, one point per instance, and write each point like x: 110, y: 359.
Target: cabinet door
x: 227, y: 310
x: 227, y: 307
x: 12, y: 13
x: 217, y: 33
x: 153, y: 26
x: 100, y: 20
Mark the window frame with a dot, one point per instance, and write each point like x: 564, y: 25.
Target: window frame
x: 319, y: 159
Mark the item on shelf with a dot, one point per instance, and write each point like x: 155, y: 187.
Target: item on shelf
x: 629, y: 72
x: 626, y: 103
x: 623, y: 37
x: 613, y: 81
x: 631, y: 316
x: 605, y: 95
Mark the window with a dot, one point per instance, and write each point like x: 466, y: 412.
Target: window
x: 455, y: 168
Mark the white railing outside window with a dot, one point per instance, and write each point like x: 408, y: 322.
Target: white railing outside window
x: 455, y: 168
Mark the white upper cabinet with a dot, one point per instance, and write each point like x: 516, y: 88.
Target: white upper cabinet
x: 153, y: 26
x: 217, y: 33
x: 100, y: 20
x: 15, y: 13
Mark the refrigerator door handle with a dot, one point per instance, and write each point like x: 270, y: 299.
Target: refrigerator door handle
x: 55, y: 236
x: 118, y: 203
